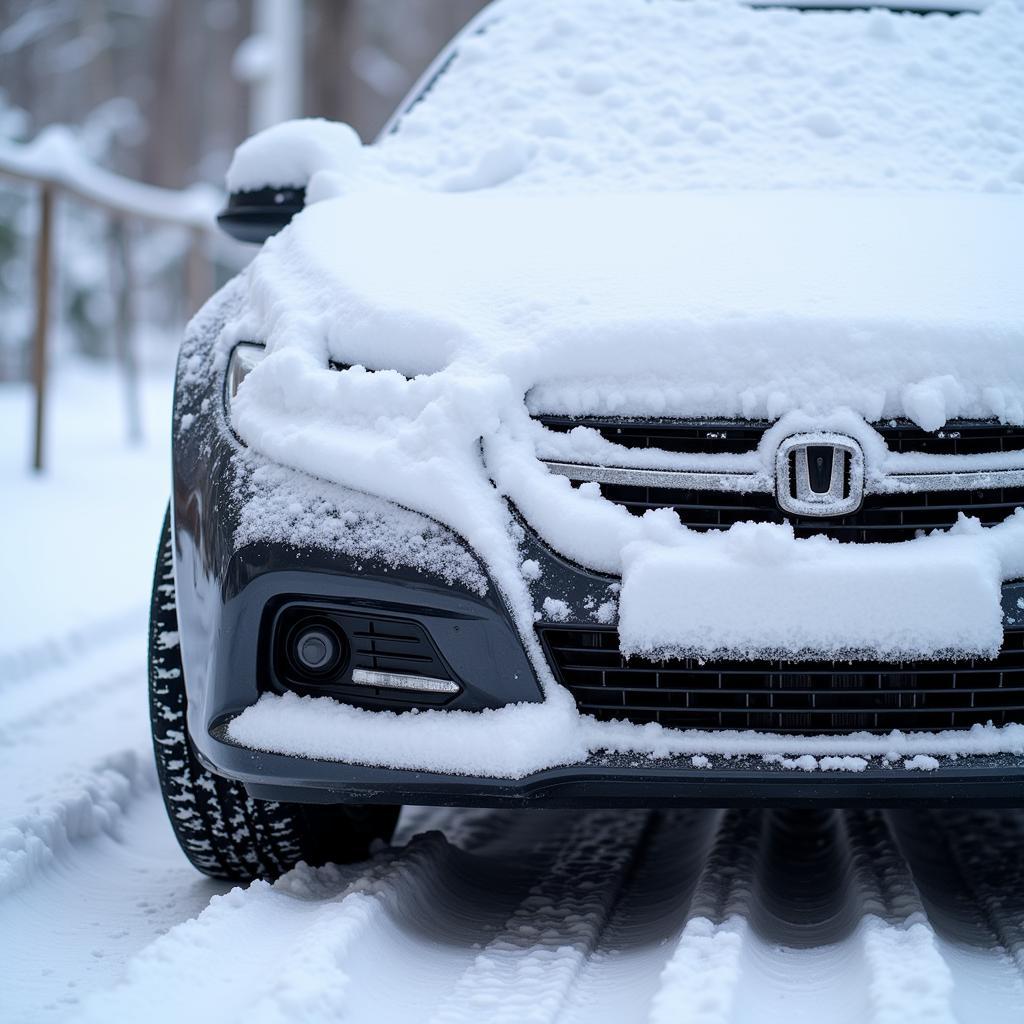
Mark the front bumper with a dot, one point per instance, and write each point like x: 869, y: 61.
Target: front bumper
x: 627, y: 781
x: 488, y: 649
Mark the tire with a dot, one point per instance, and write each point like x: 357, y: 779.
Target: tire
x: 224, y: 832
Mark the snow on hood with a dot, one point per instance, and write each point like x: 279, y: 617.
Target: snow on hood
x: 745, y: 304
x: 822, y: 310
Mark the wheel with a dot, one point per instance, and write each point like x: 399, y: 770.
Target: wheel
x: 224, y: 832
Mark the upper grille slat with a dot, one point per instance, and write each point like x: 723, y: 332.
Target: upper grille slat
x: 690, y: 436
x: 714, y: 436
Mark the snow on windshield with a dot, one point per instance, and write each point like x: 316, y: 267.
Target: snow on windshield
x: 628, y: 94
x: 879, y: 277
x: 614, y: 94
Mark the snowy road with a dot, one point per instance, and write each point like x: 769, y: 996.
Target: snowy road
x: 738, y: 916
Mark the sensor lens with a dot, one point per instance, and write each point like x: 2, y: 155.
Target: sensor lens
x: 316, y: 649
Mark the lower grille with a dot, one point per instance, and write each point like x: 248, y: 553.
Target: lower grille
x: 882, y: 517
x: 781, y: 696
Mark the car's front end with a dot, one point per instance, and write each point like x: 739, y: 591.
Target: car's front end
x: 340, y: 646
x: 591, y: 488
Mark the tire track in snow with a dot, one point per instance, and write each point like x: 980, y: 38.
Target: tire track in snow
x: 908, y: 980
x: 314, y: 937
x: 18, y: 665
x: 621, y: 977
x: 836, y: 928
x: 969, y: 871
x: 799, y: 959
x: 89, y: 909
x: 804, y: 914
x: 52, y: 803
x: 528, y: 969
x: 95, y: 804
x: 795, y: 916
x: 29, y: 716
x: 991, y: 865
x: 304, y: 938
x: 699, y: 982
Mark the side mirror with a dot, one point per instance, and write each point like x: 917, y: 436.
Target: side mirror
x: 255, y: 216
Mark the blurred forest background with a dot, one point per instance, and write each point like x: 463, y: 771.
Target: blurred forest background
x: 161, y: 91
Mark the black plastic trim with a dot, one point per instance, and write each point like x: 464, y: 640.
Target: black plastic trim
x: 257, y: 215
x: 632, y: 781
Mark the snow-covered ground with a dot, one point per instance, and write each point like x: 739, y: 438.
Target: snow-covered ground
x: 741, y: 916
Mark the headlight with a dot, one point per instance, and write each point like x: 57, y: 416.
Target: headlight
x: 245, y: 357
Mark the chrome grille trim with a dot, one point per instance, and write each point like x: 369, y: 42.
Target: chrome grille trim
x: 762, y: 483
x: 684, y: 479
x: 969, y: 480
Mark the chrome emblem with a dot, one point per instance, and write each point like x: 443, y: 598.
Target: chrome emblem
x: 819, y: 474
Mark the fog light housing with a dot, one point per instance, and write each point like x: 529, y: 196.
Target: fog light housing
x: 315, y: 650
x: 358, y: 654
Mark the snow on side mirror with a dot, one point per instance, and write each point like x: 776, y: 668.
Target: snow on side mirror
x: 269, y: 173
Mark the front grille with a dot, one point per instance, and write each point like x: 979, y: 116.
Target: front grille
x: 781, y: 696
x: 882, y: 517
x: 712, y: 437
x: 886, y: 518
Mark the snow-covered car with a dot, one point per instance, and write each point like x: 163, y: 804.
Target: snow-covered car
x: 639, y: 421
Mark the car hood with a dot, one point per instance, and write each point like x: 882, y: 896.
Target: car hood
x: 737, y: 304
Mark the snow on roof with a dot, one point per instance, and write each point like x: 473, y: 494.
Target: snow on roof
x: 666, y: 94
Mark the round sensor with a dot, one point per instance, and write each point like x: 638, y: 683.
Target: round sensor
x: 316, y: 649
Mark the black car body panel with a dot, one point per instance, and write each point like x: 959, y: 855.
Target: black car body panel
x: 628, y: 781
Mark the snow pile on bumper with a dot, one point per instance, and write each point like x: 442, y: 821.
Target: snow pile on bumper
x: 755, y: 591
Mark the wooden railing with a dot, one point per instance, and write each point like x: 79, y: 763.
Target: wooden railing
x: 54, y: 165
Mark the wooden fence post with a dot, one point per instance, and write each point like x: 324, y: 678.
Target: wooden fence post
x: 198, y: 271
x: 44, y: 261
x: 123, y: 276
